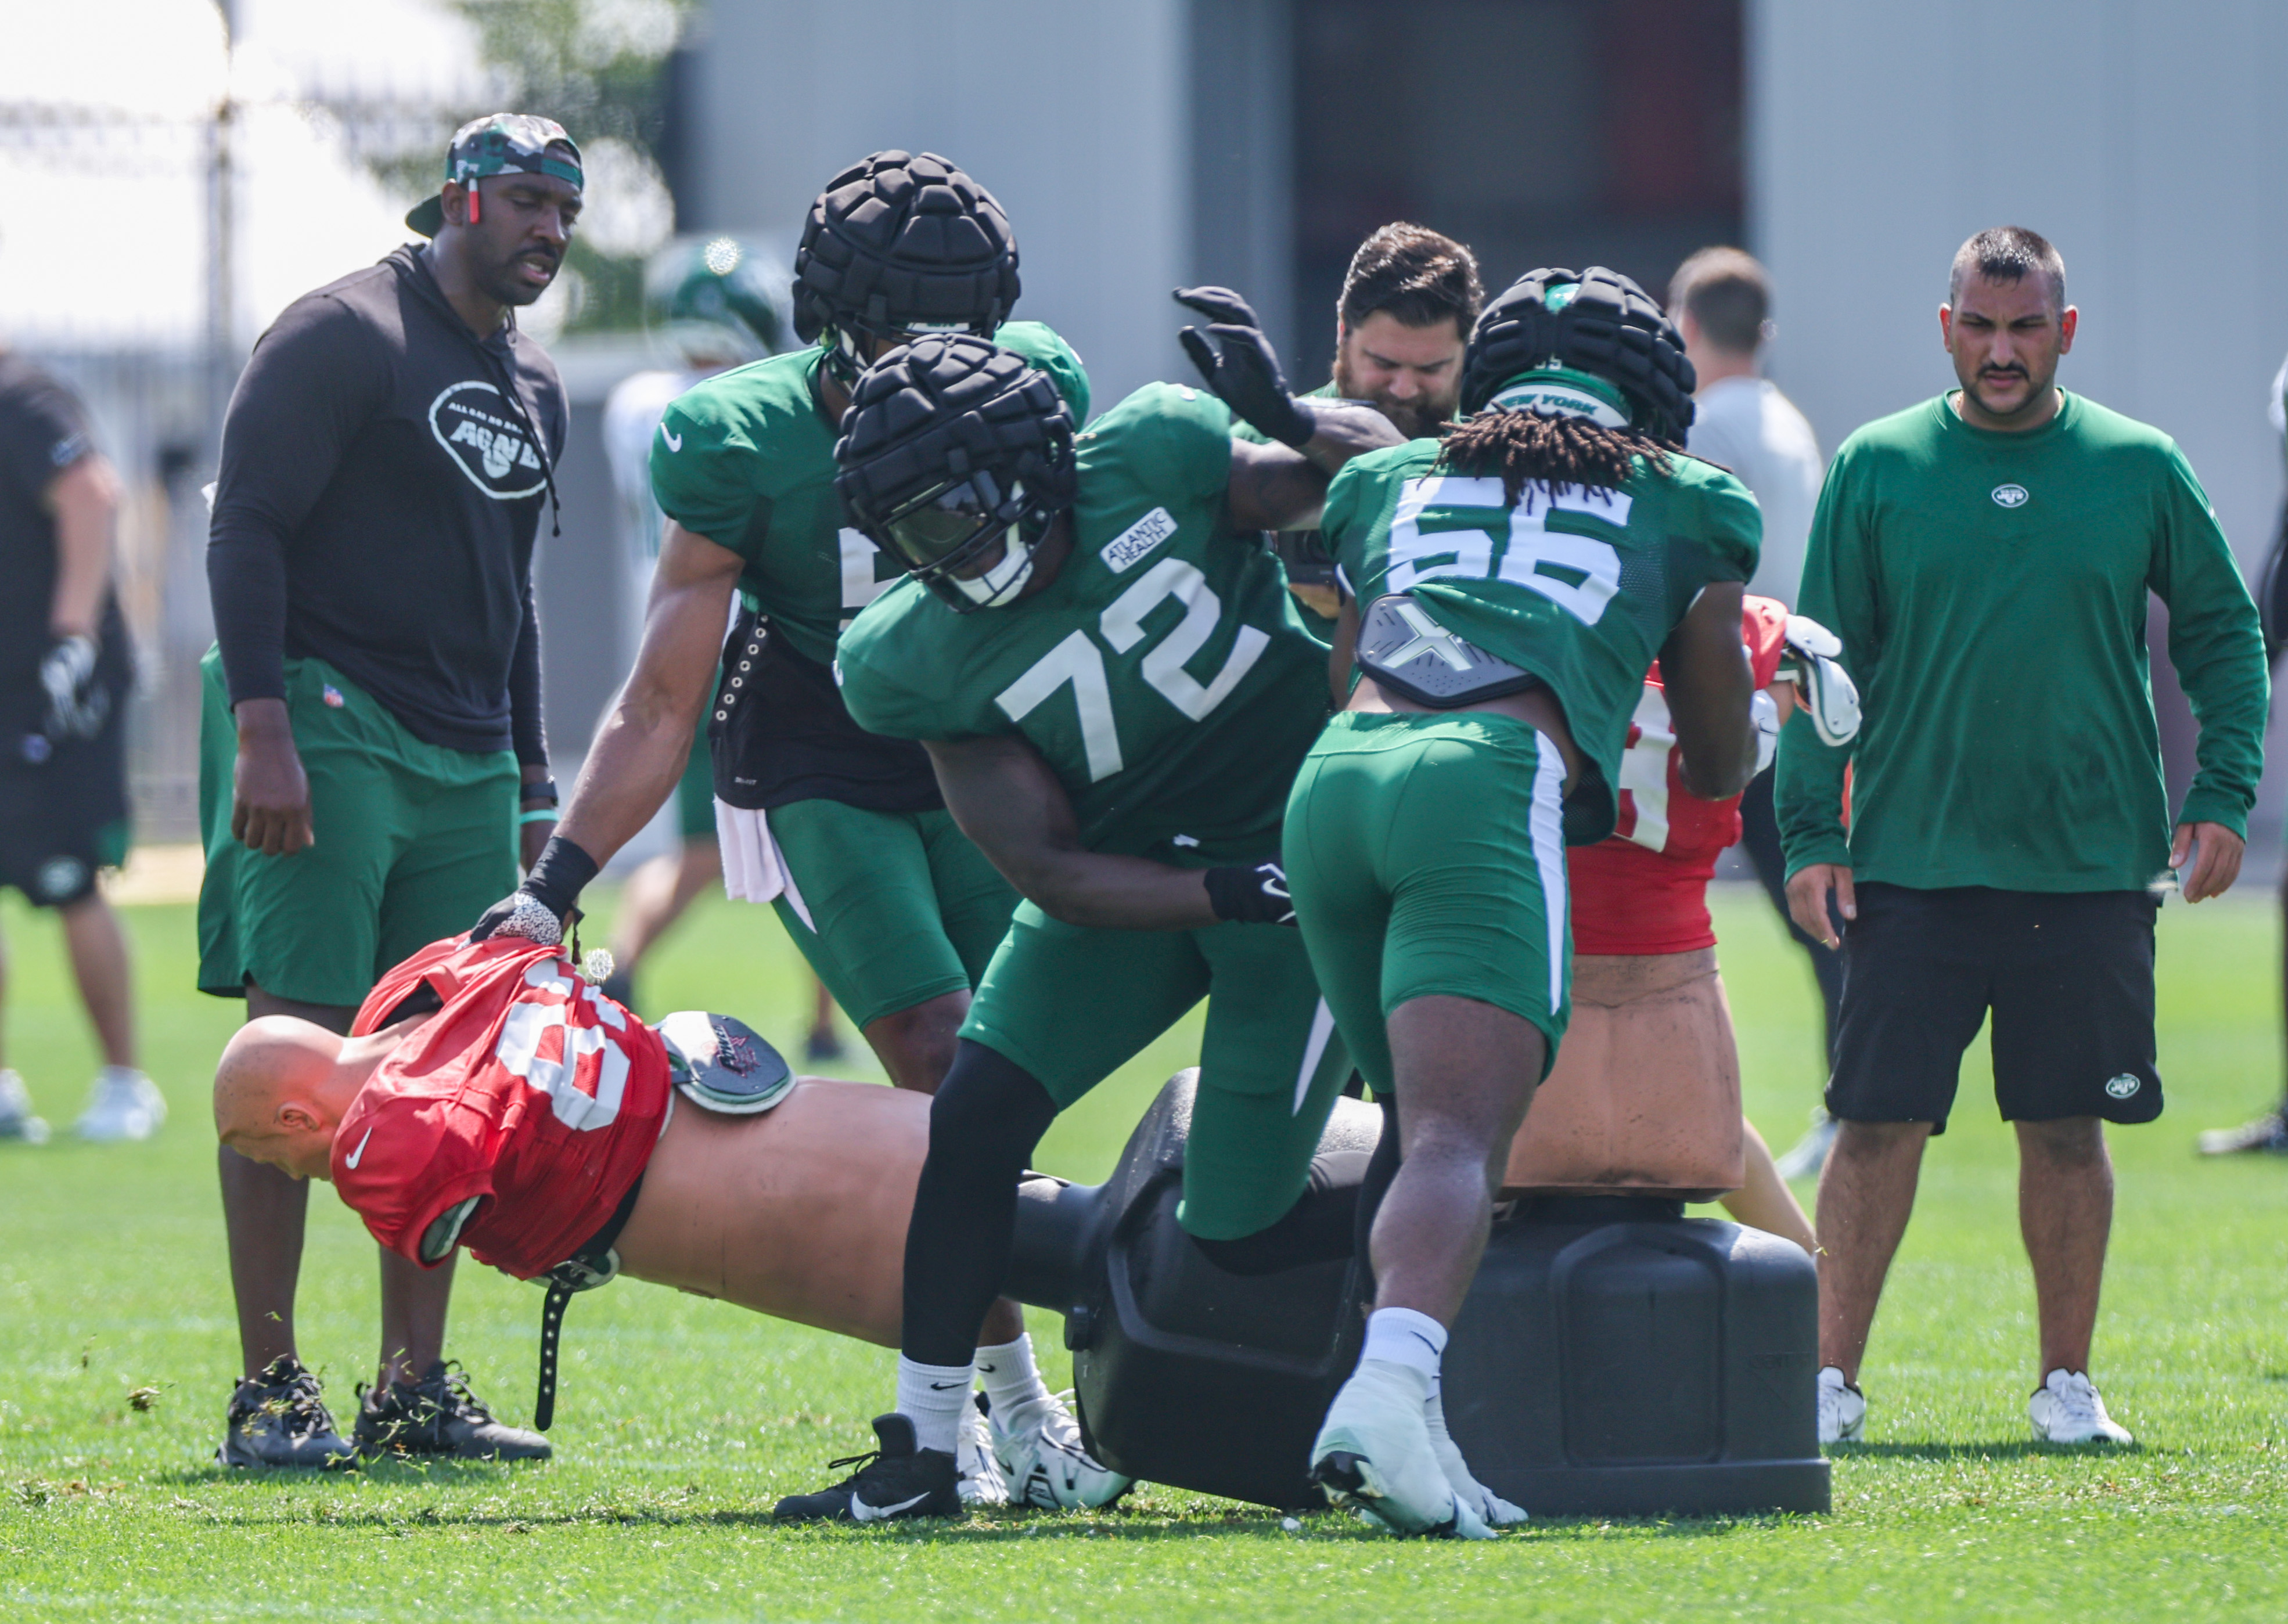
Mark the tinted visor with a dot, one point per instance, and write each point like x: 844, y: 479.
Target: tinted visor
x: 941, y: 529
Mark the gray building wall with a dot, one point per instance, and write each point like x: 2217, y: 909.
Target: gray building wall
x: 1076, y: 117
x: 2140, y: 135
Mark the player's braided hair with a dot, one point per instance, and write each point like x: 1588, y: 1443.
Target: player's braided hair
x: 1558, y: 453
x: 943, y: 408
x: 899, y: 240
x: 1597, y: 322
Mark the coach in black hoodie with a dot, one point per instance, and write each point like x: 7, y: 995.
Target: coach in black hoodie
x: 371, y: 753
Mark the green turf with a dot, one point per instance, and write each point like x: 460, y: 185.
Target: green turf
x: 681, y: 1420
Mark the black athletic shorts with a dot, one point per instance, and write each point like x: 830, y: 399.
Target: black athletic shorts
x: 2067, y: 977
x: 63, y: 810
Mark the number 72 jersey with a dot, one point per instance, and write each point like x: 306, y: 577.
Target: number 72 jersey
x: 1580, y: 586
x: 1164, y: 674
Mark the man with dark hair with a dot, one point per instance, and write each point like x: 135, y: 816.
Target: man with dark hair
x: 65, y: 669
x: 1720, y: 299
x: 373, y: 712
x: 1985, y: 558
x: 1409, y: 298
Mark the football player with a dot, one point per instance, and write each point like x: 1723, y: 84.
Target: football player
x: 1114, y: 687
x: 1506, y: 588
x: 841, y: 830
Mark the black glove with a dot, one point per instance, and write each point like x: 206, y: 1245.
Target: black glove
x: 1252, y: 894
x: 1244, y: 374
x: 538, y: 910
x: 77, y: 707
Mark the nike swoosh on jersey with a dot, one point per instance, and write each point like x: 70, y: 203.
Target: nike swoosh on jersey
x: 674, y: 442
x: 861, y: 1512
x: 352, y: 1162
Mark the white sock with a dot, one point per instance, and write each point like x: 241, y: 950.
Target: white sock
x: 1012, y: 1383
x: 1401, y: 1337
x: 933, y: 1397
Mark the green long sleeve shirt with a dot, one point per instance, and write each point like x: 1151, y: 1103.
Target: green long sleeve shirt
x: 1990, y: 591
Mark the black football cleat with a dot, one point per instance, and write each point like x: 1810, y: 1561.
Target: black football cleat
x: 897, y: 1480
x: 278, y: 1418
x: 439, y: 1416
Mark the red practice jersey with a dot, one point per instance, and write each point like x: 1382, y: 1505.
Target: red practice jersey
x: 529, y: 1088
x: 1644, y: 888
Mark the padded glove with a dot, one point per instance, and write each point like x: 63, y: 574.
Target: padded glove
x: 1240, y: 368
x: 1251, y: 894
x: 538, y: 910
x: 1824, y: 686
x: 77, y: 708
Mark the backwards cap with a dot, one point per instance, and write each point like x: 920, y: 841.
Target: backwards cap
x: 499, y: 144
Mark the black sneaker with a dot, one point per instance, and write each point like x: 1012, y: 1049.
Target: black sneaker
x: 278, y: 1419
x: 896, y: 1480
x: 438, y: 1416
x: 822, y: 1046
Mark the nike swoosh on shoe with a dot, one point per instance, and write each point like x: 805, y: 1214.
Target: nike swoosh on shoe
x: 861, y: 1512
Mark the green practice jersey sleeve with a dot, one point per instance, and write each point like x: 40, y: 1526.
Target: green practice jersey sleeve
x: 703, y: 469
x: 1045, y: 351
x: 2217, y: 646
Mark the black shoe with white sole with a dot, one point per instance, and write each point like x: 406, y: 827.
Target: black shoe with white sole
x: 897, y: 1480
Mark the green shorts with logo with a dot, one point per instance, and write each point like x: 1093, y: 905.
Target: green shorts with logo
x: 892, y: 909
x: 413, y: 842
x: 1071, y: 1004
x: 1426, y: 855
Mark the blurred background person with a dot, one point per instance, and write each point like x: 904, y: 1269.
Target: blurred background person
x: 373, y: 749
x: 1408, y: 300
x: 2268, y: 1130
x: 65, y: 671
x: 713, y: 303
x: 1720, y: 300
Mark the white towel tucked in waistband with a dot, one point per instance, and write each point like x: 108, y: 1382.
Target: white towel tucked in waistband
x: 754, y: 870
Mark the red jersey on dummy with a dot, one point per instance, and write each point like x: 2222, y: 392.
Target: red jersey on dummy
x: 1644, y: 889
x: 529, y: 1088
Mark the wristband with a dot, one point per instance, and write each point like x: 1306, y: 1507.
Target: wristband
x: 539, y: 814
x: 558, y: 877
x: 539, y: 790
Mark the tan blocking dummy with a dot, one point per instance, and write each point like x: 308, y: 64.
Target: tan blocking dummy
x: 798, y: 1212
x: 1645, y: 1097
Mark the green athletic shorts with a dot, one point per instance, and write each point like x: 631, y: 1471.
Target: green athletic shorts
x: 1425, y: 855
x: 414, y: 842
x: 694, y: 791
x: 892, y: 909
x: 1070, y: 1005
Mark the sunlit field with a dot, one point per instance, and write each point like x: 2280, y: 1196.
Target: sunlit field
x: 680, y: 1421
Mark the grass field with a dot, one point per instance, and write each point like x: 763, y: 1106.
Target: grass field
x: 680, y: 1421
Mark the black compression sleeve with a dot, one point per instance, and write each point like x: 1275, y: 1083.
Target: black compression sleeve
x: 527, y: 719
x: 989, y: 1115
x: 312, y: 382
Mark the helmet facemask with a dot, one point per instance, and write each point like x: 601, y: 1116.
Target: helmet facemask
x: 946, y: 530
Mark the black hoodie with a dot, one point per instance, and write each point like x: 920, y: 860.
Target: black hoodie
x: 378, y: 505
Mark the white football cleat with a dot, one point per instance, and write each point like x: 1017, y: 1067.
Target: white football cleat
x: 16, y: 1120
x: 1373, y: 1454
x: 976, y: 1475
x: 1842, y: 1409
x: 1045, y: 1464
x: 2065, y: 1409
x: 1497, y: 1512
x: 123, y: 1104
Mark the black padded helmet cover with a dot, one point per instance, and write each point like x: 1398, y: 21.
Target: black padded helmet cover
x: 899, y: 240
x: 947, y: 407
x: 1605, y: 325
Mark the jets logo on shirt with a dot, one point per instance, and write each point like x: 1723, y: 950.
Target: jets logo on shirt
x: 486, y: 436
x: 2010, y: 496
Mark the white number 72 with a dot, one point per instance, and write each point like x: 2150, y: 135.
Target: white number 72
x: 1079, y: 662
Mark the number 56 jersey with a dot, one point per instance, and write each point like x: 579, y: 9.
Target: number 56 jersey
x: 1164, y: 674
x: 1581, y: 589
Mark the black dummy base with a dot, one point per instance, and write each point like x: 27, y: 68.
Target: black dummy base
x: 1614, y: 1358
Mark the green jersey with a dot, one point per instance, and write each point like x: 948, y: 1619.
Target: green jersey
x: 746, y: 460
x: 1990, y: 593
x: 1163, y: 675
x: 1581, y: 589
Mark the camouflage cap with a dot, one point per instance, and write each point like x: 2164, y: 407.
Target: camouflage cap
x: 497, y: 145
